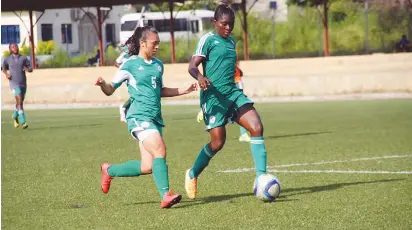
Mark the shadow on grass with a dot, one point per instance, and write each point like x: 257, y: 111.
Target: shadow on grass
x: 284, y: 194
x: 304, y: 190
x: 296, y: 135
x: 63, y: 126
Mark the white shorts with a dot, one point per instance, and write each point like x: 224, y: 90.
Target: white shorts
x: 141, y: 135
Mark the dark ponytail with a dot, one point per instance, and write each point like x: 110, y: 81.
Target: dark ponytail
x: 133, y: 43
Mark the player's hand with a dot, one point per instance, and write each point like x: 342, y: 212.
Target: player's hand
x: 203, y: 82
x: 191, y: 88
x: 100, y: 81
x: 25, y: 69
x: 8, y: 76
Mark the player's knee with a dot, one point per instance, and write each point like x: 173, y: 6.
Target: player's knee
x: 256, y: 128
x: 146, y: 168
x: 217, y: 145
x: 159, y: 152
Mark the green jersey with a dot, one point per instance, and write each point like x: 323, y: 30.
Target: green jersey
x: 144, y: 83
x: 219, y: 64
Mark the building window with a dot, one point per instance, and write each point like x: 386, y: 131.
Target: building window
x: 10, y: 34
x: 164, y: 25
x: 110, y: 33
x: 66, y: 32
x: 47, y: 32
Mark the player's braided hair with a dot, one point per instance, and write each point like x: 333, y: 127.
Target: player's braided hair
x: 139, y: 34
x: 223, y: 9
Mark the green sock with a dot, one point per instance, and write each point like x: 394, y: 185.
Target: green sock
x: 22, y: 118
x: 257, y: 145
x: 127, y: 169
x: 15, y: 114
x: 242, y: 131
x: 202, y: 160
x: 161, y: 175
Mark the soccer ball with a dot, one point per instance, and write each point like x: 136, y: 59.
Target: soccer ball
x: 266, y: 187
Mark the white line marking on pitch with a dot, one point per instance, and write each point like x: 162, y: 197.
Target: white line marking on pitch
x: 319, y: 163
x: 341, y: 171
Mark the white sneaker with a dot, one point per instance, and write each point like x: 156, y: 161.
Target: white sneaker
x: 200, y: 116
x: 122, y: 113
x: 244, y: 138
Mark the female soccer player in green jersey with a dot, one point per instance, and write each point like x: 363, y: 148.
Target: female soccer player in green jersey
x: 220, y: 99
x: 143, y: 74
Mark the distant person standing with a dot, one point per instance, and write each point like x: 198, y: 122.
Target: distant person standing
x: 15, y: 67
x: 404, y: 44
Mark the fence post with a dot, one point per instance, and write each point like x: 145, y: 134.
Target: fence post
x: 320, y: 31
x: 366, y: 27
x: 273, y: 7
x: 409, y: 11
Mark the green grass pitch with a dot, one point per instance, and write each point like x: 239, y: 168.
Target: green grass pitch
x: 50, y: 172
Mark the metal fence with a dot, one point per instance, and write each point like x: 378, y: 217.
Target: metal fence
x: 352, y: 29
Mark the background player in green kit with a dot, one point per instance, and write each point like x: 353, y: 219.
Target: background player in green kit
x: 220, y: 99
x: 143, y: 74
x: 124, y: 55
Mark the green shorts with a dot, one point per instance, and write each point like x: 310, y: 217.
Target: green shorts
x: 218, y: 110
x: 19, y: 90
x: 140, y: 129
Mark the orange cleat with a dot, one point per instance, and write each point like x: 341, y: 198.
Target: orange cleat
x: 105, y: 178
x: 170, y: 199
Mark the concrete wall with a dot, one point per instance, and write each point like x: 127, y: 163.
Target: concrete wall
x: 288, y: 77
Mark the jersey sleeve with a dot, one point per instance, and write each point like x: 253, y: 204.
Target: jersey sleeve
x: 203, y: 46
x: 161, y: 74
x: 122, y: 75
x: 28, y: 64
x: 5, y: 64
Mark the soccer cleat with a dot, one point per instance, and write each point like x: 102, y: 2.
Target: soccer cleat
x: 122, y: 111
x: 244, y: 138
x: 200, y: 116
x: 16, y: 122
x: 190, y: 185
x: 25, y: 126
x: 105, y: 178
x: 170, y: 199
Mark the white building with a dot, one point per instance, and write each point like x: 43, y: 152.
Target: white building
x: 59, y: 24
x: 262, y: 7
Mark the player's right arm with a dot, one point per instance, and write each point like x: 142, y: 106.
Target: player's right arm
x: 201, y: 52
x: 107, y: 89
x: 4, y: 67
x: 121, y: 76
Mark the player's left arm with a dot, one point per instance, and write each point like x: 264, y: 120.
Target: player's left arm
x: 27, y: 66
x: 173, y: 92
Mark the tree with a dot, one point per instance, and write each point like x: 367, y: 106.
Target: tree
x: 319, y: 3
